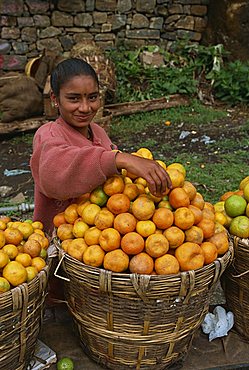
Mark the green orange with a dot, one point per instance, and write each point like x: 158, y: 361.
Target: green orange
x: 98, y: 196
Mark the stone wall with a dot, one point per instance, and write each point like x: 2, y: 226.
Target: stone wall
x: 30, y: 26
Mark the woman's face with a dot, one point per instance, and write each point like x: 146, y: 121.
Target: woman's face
x: 79, y: 102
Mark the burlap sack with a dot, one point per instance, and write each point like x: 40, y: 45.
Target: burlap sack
x: 20, y: 97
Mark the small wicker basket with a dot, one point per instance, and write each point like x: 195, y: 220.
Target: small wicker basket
x: 21, y: 311
x: 131, y: 321
x: 236, y: 286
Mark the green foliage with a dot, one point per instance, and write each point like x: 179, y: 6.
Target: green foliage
x: 186, y: 68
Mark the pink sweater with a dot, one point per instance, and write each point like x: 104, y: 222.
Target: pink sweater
x: 65, y: 165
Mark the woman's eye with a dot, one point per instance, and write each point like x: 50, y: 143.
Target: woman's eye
x: 93, y: 97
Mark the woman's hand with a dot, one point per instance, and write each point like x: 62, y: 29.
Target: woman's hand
x: 157, y: 178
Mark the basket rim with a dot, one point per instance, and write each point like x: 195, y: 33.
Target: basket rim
x: 219, y: 260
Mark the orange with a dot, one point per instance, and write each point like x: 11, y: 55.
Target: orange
x: 156, y: 245
x: 235, y: 205
x: 219, y: 206
x: 2, y: 239
x: 247, y: 210
x: 127, y: 180
x: 177, y: 178
x: 94, y: 256
x: 31, y: 273
x: 65, y: 231
x: 3, y: 225
x: 92, y: 235
x: 175, y: 236
x: 37, y: 225
x: 79, y: 229
x: 179, y: 198
x: 220, y: 217
x: 77, y: 248
x: 116, y: 261
x: 132, y: 243
x: 11, y: 250
x: 184, y: 218
x: 145, y: 228
x: 194, y: 234
x: 82, y: 198
x: 190, y: 189
x: 38, y: 231
x: 197, y: 213
x: 5, y: 219
x: 218, y: 227
x: 210, y: 206
x: 125, y: 223
x: 38, y: 263
x: 81, y: 206
x: 240, y: 226
x: 71, y: 213
x: 98, y: 196
x: 178, y: 166
x: 59, y: 219
x: 207, y: 213
x: 141, y: 180
x: 43, y: 253
x: 114, y: 185
x: 243, y: 182
x: 163, y: 218
x: 26, y: 229
x: 32, y: 247
x: 43, y: 240
x: 109, y: 239
x: 246, y: 192
x: 24, y: 258
x: 15, y: 224
x: 220, y: 240
x: 141, y: 188
x: 167, y: 264
x: 89, y: 213
x: 13, y: 236
x: 15, y: 273
x: 131, y: 190
x: 4, y: 259
x: 118, y: 203
x: 198, y: 201
x: 207, y: 227
x: 141, y: 263
x: 151, y: 196
x: 145, y: 153
x: 164, y: 204
x: 190, y: 256
x: 104, y: 219
x: 162, y: 164
x: 226, y: 195
x: 4, y: 285
x: 210, y: 252
x: 65, y: 243
x: 143, y: 208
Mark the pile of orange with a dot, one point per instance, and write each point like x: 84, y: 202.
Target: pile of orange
x: 23, y: 251
x: 232, y: 210
x: 122, y: 227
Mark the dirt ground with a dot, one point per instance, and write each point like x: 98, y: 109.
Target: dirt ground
x: 15, y: 150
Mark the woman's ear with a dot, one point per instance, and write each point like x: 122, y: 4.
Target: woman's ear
x: 53, y: 99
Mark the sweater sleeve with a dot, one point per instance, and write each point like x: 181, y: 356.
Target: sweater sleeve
x: 65, y: 171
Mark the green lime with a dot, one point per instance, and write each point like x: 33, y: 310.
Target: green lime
x: 239, y: 226
x: 98, y: 196
x: 65, y: 363
x: 235, y: 205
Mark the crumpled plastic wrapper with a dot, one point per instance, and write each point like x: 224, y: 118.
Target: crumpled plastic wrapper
x: 218, y: 323
x: 43, y: 357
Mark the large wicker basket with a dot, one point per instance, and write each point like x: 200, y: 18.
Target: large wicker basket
x: 236, y: 286
x: 131, y: 321
x: 21, y: 311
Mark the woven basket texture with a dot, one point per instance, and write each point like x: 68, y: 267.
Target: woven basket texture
x: 131, y: 321
x: 235, y: 283
x: 103, y: 66
x: 21, y: 311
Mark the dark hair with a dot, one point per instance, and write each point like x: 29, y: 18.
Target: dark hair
x: 68, y: 69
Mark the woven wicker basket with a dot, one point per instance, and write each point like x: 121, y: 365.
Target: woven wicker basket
x: 236, y: 285
x: 131, y: 321
x: 21, y: 311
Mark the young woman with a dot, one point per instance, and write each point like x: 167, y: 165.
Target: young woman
x: 73, y: 155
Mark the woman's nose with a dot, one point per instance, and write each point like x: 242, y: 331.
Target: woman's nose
x: 84, y: 106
